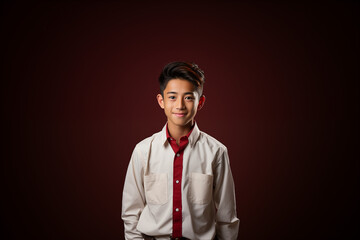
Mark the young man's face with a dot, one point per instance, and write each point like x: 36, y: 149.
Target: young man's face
x: 180, y: 102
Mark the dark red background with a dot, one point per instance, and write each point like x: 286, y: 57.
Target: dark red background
x: 78, y: 87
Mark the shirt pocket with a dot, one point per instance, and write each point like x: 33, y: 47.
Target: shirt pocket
x: 200, y: 188
x: 156, y: 189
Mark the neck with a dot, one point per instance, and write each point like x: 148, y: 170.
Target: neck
x: 177, y: 132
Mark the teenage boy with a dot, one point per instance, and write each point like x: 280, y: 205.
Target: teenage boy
x: 179, y: 183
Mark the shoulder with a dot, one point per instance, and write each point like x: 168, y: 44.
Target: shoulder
x: 144, y: 145
x: 212, y: 142
x: 219, y: 150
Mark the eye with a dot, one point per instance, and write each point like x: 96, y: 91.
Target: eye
x: 189, y: 98
x: 172, y: 97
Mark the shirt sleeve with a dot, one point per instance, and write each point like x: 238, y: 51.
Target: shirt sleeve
x: 227, y: 223
x: 133, y: 199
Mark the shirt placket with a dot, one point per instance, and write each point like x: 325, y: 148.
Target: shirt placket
x: 177, y: 180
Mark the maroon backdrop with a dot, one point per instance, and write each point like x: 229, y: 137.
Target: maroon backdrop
x: 78, y: 87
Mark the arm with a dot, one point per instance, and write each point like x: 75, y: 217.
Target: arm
x: 227, y: 224
x: 133, y: 201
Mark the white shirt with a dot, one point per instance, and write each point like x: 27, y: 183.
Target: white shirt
x: 208, y: 194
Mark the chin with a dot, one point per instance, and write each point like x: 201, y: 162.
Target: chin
x: 183, y: 123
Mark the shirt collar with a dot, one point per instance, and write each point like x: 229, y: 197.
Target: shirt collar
x: 193, y: 135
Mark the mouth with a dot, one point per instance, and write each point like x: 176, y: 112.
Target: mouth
x: 179, y: 114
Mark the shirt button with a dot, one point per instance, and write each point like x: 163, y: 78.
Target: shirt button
x: 177, y: 209
x: 177, y: 181
x: 178, y: 155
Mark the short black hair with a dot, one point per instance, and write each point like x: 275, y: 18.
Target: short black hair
x: 182, y: 70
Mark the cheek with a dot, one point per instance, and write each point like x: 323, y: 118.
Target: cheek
x: 167, y: 107
x: 191, y: 107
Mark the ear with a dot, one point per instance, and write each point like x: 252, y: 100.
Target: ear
x: 160, y: 100
x: 201, y: 102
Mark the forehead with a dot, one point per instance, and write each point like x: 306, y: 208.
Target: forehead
x: 179, y: 86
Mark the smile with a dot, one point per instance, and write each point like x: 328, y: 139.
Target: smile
x: 179, y: 114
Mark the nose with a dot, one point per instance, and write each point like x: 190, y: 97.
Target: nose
x: 180, y: 103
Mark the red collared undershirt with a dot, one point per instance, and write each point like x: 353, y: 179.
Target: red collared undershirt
x: 177, y: 179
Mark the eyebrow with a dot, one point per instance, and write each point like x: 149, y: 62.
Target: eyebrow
x: 187, y: 93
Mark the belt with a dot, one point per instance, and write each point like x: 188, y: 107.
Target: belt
x: 146, y: 237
